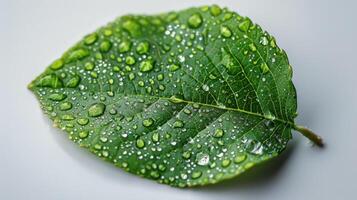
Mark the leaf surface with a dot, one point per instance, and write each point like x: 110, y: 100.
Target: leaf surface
x: 186, y: 98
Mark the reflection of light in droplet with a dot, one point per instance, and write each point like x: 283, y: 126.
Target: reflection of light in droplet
x: 205, y: 87
x: 202, y: 159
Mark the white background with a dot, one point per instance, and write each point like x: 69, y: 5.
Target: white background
x: 39, y: 162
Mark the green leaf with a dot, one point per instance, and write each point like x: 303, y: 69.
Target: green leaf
x: 186, y: 98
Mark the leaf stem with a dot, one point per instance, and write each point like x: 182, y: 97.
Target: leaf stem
x: 309, y: 134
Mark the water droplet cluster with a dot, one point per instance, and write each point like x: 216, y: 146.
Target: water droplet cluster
x: 186, y: 98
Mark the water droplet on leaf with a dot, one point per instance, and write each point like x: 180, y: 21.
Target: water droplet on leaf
x: 82, y: 121
x: 226, y: 163
x: 244, y: 25
x: 57, y: 97
x: 215, y: 10
x: 178, y: 124
x: 264, y: 67
x: 83, y: 134
x: 90, y: 39
x: 142, y: 48
x: 148, y: 122
x: 65, y: 106
x: 196, y: 174
x: 195, y: 20
x: 73, y: 82
x: 225, y: 32
x: 124, y: 46
x: 140, y: 143
x: 218, y: 133
x: 146, y: 65
x: 57, y: 64
x: 240, y: 158
x: 202, y: 159
x: 105, y: 46
x: 96, y: 110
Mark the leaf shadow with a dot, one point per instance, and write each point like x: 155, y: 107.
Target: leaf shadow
x: 259, y: 176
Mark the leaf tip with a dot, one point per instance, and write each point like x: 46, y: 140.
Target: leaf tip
x: 30, y: 86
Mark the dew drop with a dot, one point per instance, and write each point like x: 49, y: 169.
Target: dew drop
x: 52, y: 81
x: 90, y: 39
x: 183, y: 176
x: 73, y: 82
x: 131, y: 76
x: 130, y: 60
x: 94, y: 74
x: 228, y: 63
x: 226, y: 163
x: 105, y: 46
x: 264, y: 68
x: 142, y: 48
x: 205, y: 87
x: 178, y: 124
x: 160, y: 77
x: 83, y: 134
x: 82, y: 121
x: 181, y: 58
x: 162, y: 167
x: 196, y: 174
x: 248, y: 165
x: 162, y: 87
x: 105, y: 153
x: 103, y: 139
x: 65, y: 106
x: 187, y: 111
x: 113, y: 111
x: 215, y: 10
x: 244, y: 25
x: 57, y: 64
x: 57, y: 97
x: 264, y: 41
x: 155, y: 137
x: 269, y: 116
x: 124, y: 46
x: 96, y: 110
x: 148, y: 122
x: 141, y: 83
x: 89, y: 66
x: 174, y: 99
x: 240, y: 158
x: 273, y: 43
x: 258, y: 149
x: 252, y: 47
x: 97, y: 146
x: 186, y: 155
x: 140, y: 143
x: 77, y: 55
x: 225, y: 32
x: 202, y: 159
x: 67, y: 117
x: 154, y: 174
x: 146, y: 65
x: 108, y: 32
x: 195, y: 20
x: 218, y: 133
x: 173, y: 67
x: 131, y: 26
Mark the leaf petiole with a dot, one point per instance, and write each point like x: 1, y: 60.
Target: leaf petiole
x: 309, y: 134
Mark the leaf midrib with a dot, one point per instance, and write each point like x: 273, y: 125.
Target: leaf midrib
x: 212, y: 106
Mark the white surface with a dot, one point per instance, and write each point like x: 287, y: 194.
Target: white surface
x: 39, y: 162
